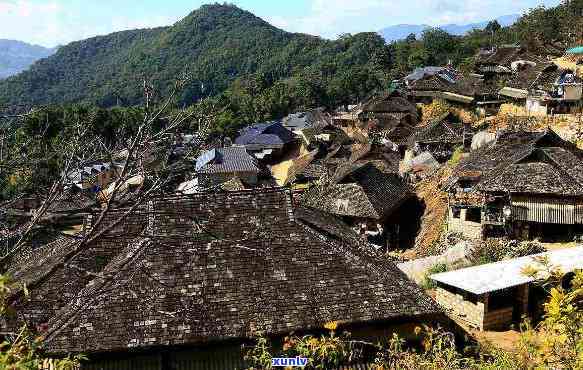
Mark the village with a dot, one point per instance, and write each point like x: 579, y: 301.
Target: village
x: 423, y: 204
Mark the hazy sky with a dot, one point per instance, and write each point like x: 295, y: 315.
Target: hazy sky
x: 53, y: 22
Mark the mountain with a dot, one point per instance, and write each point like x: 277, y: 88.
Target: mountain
x: 16, y: 56
x: 215, y: 45
x: 401, y: 31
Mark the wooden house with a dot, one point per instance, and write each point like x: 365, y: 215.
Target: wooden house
x: 365, y: 197
x: 220, y: 165
x: 525, y: 184
x: 182, y: 282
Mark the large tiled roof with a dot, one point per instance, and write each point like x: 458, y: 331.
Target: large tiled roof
x: 227, y: 160
x: 527, y: 162
x: 214, y: 267
x: 464, y: 85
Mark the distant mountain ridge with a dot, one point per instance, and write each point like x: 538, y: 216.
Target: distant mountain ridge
x: 17, y: 56
x: 401, y: 31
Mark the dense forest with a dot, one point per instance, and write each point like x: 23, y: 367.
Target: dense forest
x: 230, y: 54
x: 214, y: 45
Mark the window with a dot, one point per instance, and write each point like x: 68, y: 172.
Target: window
x: 474, y: 215
x: 456, y: 212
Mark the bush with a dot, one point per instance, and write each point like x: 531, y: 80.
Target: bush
x: 436, y: 269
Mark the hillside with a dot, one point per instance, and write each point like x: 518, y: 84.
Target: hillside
x: 401, y: 31
x: 16, y: 56
x: 215, y: 44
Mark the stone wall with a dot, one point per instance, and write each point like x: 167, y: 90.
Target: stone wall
x: 469, y: 229
x: 459, y: 308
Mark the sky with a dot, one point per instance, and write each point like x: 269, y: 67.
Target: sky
x: 58, y: 22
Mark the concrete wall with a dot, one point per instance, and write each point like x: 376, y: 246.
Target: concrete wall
x: 461, y: 309
x: 460, y: 225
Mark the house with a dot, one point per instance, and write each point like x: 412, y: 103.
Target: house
x: 184, y: 281
x: 265, y: 141
x: 297, y: 122
x: 365, y: 197
x: 496, y: 295
x: 467, y: 90
x: 95, y: 175
x: 525, y: 184
x: 388, y: 111
x: 440, y: 137
x: 544, y: 89
x: 220, y: 165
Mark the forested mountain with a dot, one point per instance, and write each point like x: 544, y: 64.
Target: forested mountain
x: 255, y: 71
x: 16, y: 56
x: 215, y: 45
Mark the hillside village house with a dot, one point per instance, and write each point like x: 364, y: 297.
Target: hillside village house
x: 444, y: 83
x: 266, y: 141
x: 183, y: 282
x: 298, y: 122
x: 219, y: 165
x: 544, y: 88
x: 525, y: 184
x: 496, y: 295
x: 365, y: 197
x: 391, y: 115
x: 440, y: 138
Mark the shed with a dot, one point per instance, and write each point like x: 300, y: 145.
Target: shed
x: 492, y: 296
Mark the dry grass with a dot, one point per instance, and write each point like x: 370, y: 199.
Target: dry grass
x: 433, y: 219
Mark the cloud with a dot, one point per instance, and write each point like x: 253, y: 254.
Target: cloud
x: 51, y: 23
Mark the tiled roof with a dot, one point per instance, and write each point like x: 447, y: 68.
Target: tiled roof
x: 214, y: 267
x: 227, y: 160
x: 360, y: 191
x: 389, y: 104
x: 527, y: 162
x: 268, y: 135
x: 442, y: 130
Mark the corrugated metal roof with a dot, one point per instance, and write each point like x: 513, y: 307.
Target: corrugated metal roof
x: 507, y: 274
x: 513, y: 93
x: 575, y: 50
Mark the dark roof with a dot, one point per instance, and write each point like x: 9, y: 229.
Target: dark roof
x: 268, y: 135
x: 465, y: 85
x: 226, y: 160
x: 442, y: 130
x: 390, y: 103
x: 506, y: 55
x: 359, y: 190
x: 214, y: 267
x: 527, y: 162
